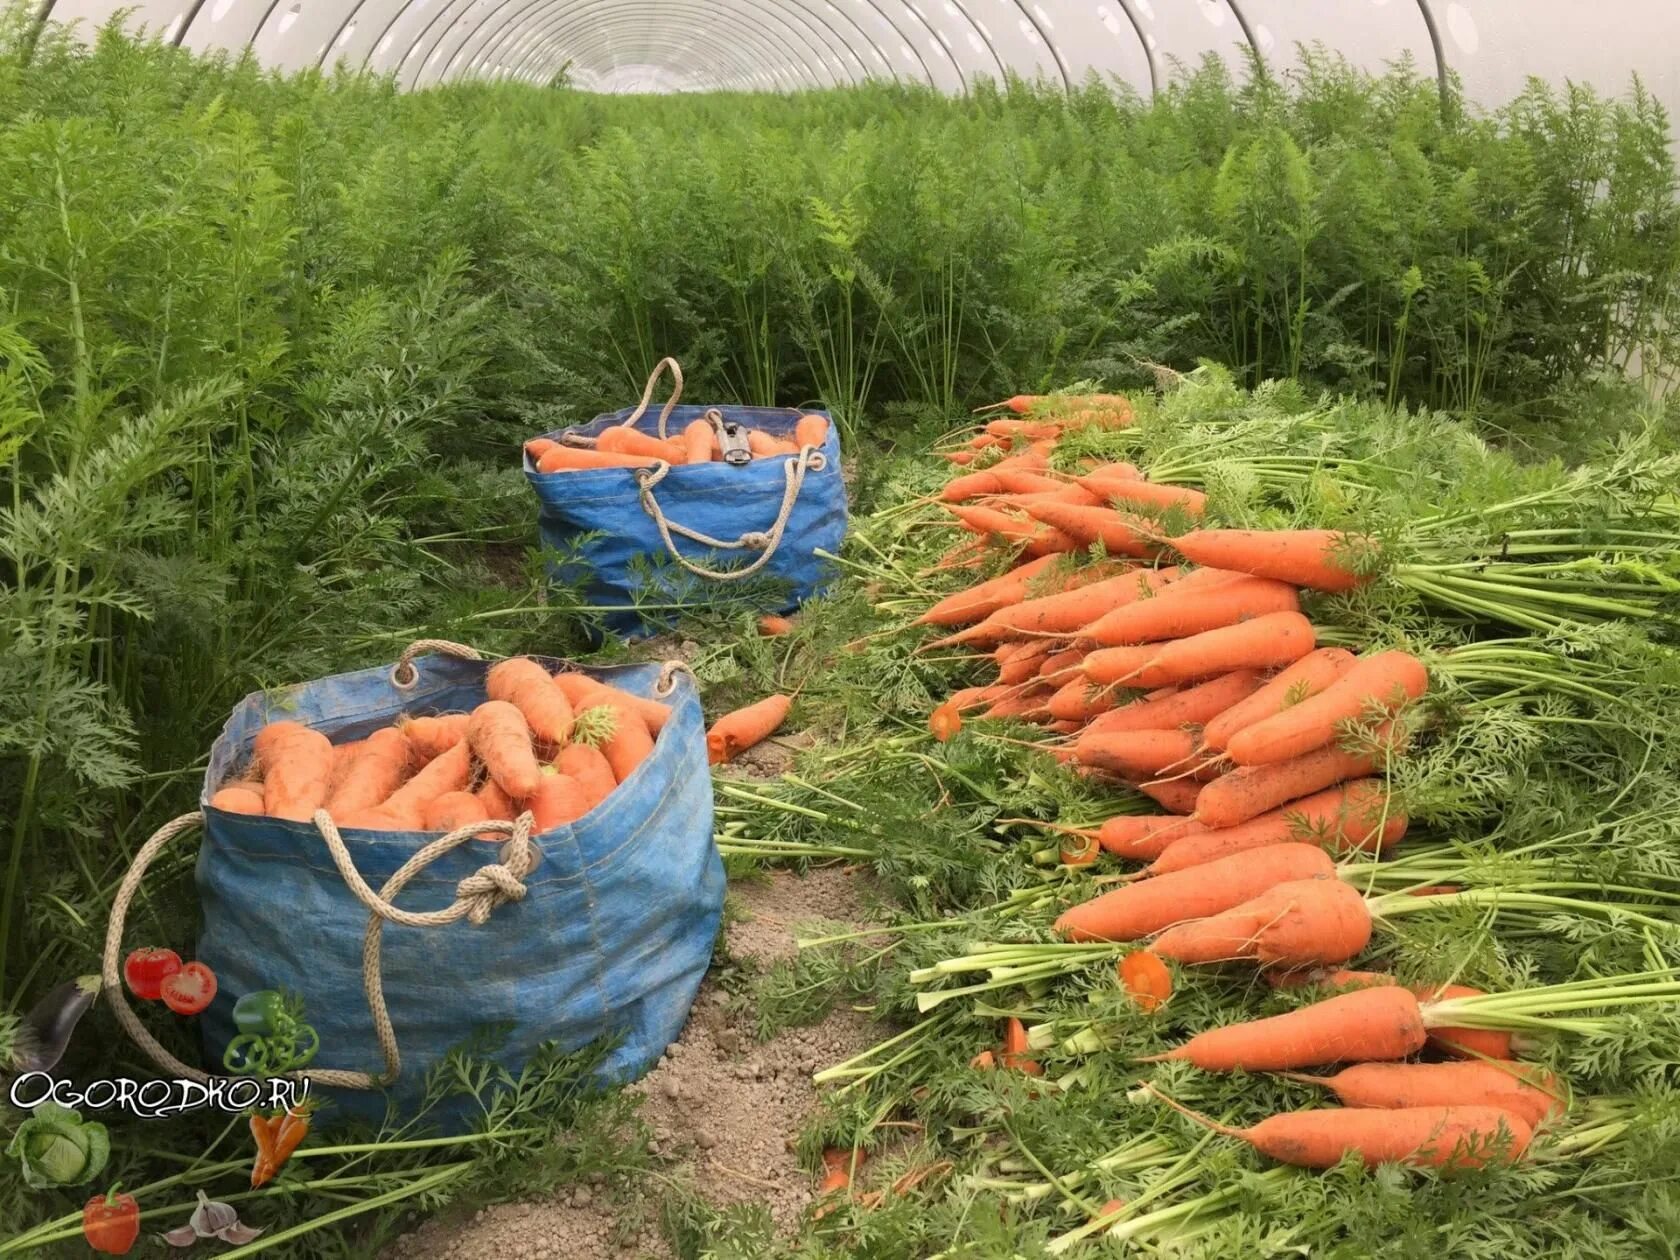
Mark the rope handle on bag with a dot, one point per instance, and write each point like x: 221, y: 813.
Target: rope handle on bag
x: 765, y: 542
x: 492, y: 885
x: 480, y: 894
x: 647, y: 396
x: 476, y: 897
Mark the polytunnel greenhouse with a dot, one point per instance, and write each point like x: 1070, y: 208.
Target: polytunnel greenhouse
x: 857, y: 629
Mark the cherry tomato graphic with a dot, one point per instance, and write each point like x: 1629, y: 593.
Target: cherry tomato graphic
x: 190, y: 989
x: 145, y: 970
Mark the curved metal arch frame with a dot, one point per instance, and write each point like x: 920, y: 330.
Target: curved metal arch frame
x: 1248, y: 34
x: 550, y: 47
x: 546, y: 27
x: 561, y: 25
x: 1056, y: 53
x: 569, y: 12
x: 1148, y: 56
x: 896, y: 29
x: 560, y: 39
x: 835, y: 49
x: 186, y: 22
x: 981, y: 35
x: 554, y: 26
x: 1442, y: 72
x: 542, y: 61
x: 497, y: 38
x: 748, y: 34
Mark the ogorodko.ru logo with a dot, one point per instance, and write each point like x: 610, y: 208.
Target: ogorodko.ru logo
x: 155, y: 1099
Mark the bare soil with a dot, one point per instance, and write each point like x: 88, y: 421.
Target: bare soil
x: 725, y: 1110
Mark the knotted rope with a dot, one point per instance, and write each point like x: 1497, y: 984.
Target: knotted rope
x: 765, y: 542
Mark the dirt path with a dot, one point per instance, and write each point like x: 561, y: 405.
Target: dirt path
x: 724, y: 1108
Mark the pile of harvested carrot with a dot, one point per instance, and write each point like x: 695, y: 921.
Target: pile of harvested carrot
x: 1181, y: 661
x: 621, y: 446
x: 557, y: 745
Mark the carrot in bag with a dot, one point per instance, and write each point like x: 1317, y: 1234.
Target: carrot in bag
x: 501, y: 738
x: 530, y: 688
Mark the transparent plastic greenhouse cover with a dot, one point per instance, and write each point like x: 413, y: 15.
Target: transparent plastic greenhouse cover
x: 771, y: 45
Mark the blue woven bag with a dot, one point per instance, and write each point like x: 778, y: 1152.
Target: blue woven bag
x: 643, y: 544
x: 602, y: 931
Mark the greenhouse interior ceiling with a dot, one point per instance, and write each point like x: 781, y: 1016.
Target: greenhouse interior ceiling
x: 780, y: 45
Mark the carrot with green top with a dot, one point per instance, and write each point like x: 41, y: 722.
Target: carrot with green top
x: 1148, y: 906
x: 527, y: 686
x: 1288, y: 687
x: 1319, y: 559
x: 1376, y: 685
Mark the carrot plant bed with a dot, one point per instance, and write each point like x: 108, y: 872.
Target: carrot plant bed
x: 1281, y: 798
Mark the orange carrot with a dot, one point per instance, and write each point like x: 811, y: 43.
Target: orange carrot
x: 1137, y: 492
x: 1140, y: 909
x: 582, y: 690
x: 498, y: 733
x: 772, y: 626
x: 1038, y: 539
x: 985, y: 598
x: 297, y: 769
x: 590, y: 767
x: 449, y: 771
x: 1186, y: 707
x: 1146, y: 978
x: 764, y: 446
x: 1252, y: 790
x: 1464, y: 1043
x: 1108, y: 666
x: 1133, y: 836
x: 559, y: 799
x: 1079, y: 701
x: 1015, y: 1049
x: 497, y: 803
x: 1176, y: 796
x: 1266, y: 642
x: 621, y: 439
x: 1024, y: 662
x: 1181, y: 610
x: 1306, y: 677
x: 374, y: 775
x: 430, y: 736
x: 812, y: 430
x: 1421, y: 1137
x: 1322, y: 559
x: 527, y: 686
x: 627, y: 741
x: 1301, y: 923
x: 734, y: 733
x: 1119, y: 534
x: 343, y: 756
x: 1529, y: 1092
x: 1348, y: 817
x: 699, y: 442
x: 238, y: 798
x: 1378, y: 684
x: 1067, y: 611
x: 972, y: 485
x: 453, y: 810
x: 1134, y: 754
x: 1382, y: 1022
x: 576, y: 459
x: 1110, y: 471
x: 536, y: 448
x: 945, y: 721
